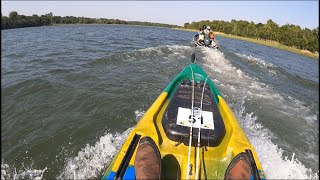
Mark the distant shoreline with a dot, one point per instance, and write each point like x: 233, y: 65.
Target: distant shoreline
x: 77, y: 24
x: 288, y: 37
x: 273, y: 44
x: 263, y: 42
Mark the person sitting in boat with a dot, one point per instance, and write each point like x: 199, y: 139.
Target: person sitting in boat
x: 206, y: 32
x: 204, y: 27
x: 148, y: 163
x: 213, y: 43
x: 199, y: 37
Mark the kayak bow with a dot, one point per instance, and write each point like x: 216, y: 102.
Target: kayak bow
x: 168, y: 123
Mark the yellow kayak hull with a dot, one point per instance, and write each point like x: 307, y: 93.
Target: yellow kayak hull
x: 213, y: 160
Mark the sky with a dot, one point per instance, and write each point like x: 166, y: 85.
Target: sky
x: 302, y: 13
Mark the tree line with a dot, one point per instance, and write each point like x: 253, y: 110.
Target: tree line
x: 288, y: 34
x: 19, y: 21
x: 14, y: 20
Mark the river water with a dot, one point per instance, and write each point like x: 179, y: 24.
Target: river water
x: 71, y: 94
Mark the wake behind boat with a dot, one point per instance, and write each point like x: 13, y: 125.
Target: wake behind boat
x: 189, y: 132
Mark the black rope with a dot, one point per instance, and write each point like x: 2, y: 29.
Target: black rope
x: 125, y: 161
x: 193, y: 56
x: 253, y: 165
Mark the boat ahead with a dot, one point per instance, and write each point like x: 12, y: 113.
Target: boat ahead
x: 205, y: 43
x: 195, y: 131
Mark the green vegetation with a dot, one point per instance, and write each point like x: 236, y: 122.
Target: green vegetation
x: 19, y: 21
x: 314, y: 55
x: 271, y: 33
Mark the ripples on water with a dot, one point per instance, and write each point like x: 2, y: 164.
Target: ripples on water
x: 71, y: 94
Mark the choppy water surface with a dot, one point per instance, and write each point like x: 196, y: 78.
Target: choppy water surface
x: 71, y: 94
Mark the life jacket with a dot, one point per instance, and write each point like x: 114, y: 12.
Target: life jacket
x: 201, y: 36
x: 207, y: 41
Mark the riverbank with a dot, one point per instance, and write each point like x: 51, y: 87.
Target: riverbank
x: 264, y: 42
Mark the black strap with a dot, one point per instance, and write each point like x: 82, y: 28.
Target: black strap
x: 125, y: 161
x: 253, y: 165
